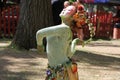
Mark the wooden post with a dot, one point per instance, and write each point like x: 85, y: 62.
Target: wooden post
x: 8, y: 21
x: 4, y: 21
x: 13, y: 21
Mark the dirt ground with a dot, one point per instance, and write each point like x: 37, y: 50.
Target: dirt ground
x: 100, y: 60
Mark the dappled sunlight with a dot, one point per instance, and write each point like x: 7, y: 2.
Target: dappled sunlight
x: 23, y: 75
x: 32, y: 65
x: 107, y: 48
x: 4, y: 44
x: 97, y: 66
x: 22, y: 65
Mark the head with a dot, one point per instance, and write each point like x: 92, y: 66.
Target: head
x: 68, y: 12
x: 66, y: 4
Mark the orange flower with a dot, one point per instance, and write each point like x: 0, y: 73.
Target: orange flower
x: 74, y: 67
x: 79, y: 18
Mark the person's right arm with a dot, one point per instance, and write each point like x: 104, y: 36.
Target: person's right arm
x: 50, y: 31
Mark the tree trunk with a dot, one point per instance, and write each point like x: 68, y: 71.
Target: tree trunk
x: 34, y: 15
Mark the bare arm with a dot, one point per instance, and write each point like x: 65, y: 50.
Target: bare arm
x: 73, y: 44
x: 50, y: 31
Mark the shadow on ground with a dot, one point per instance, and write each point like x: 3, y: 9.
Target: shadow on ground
x: 20, y: 65
x: 27, y: 65
x: 97, y: 59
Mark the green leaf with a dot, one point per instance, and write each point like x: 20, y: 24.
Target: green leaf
x: 72, y: 0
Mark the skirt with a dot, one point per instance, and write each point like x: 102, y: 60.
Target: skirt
x: 61, y: 72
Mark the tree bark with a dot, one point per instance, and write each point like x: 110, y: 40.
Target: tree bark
x: 34, y: 15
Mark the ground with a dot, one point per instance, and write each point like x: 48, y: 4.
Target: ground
x: 100, y: 60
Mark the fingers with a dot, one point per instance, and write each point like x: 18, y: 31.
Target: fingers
x: 40, y: 48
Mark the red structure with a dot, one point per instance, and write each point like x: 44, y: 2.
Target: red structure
x: 8, y: 20
x: 104, y: 25
x: 102, y: 22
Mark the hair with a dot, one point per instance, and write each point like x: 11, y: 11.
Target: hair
x: 68, y: 3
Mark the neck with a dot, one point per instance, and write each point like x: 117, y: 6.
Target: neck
x: 67, y: 21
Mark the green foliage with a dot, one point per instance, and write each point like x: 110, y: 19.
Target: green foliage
x: 72, y: 1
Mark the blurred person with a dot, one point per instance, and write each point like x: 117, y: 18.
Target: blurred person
x: 117, y: 17
x: 60, y: 47
x: 57, y: 7
x: 116, y: 21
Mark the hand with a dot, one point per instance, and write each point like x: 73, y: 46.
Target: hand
x: 40, y: 48
x: 79, y: 42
